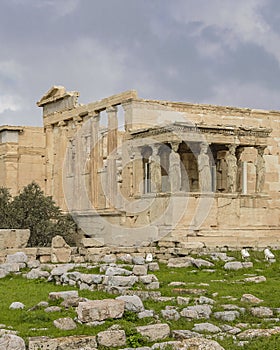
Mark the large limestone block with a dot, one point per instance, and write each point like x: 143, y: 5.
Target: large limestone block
x: 99, y: 310
x: 60, y: 250
x: 197, y: 311
x: 11, y: 342
x: 63, y: 295
x: 132, y: 303
x: 63, y: 343
x: 185, y: 261
x: 111, y: 338
x: 91, y: 243
x: 154, y: 331
x: 13, y: 239
x: 122, y: 281
x: 19, y: 257
x: 201, y: 344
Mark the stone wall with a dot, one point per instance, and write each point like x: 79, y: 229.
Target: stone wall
x: 13, y: 239
x: 93, y: 251
x: 22, y: 157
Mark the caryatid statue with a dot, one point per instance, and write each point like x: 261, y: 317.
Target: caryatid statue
x: 204, y: 171
x: 232, y: 169
x: 175, y: 168
x: 155, y: 169
x: 260, y: 170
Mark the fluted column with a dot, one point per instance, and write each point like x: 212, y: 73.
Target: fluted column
x: 175, y: 168
x: 112, y: 143
x: 61, y: 158
x: 94, y: 158
x: 78, y: 164
x: 49, y: 160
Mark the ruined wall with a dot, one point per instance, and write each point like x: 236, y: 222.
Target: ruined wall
x: 78, y: 140
x: 22, y: 157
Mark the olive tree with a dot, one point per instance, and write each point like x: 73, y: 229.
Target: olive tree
x: 31, y: 209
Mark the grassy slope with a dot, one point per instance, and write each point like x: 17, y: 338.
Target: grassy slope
x: 226, y: 283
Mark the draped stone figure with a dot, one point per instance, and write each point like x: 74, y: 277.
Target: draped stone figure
x: 175, y: 172
x: 239, y: 169
x: 221, y: 171
x: 232, y: 169
x: 204, y: 170
x: 155, y: 170
x: 260, y: 170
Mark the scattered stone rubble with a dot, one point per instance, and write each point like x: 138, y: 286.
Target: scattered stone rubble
x: 120, y: 277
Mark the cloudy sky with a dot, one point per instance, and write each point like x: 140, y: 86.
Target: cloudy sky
x: 223, y: 52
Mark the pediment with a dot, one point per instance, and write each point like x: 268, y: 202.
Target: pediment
x: 55, y: 93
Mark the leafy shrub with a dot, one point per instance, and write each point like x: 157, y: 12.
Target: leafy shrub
x: 135, y: 339
x: 6, y: 219
x: 31, y: 209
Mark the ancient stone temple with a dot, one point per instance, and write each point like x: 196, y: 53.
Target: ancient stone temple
x: 132, y: 170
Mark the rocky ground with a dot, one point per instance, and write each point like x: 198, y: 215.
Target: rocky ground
x: 132, y: 280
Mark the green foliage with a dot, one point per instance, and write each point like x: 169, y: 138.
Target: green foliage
x: 6, y: 218
x: 130, y: 316
x: 31, y: 209
x: 135, y: 339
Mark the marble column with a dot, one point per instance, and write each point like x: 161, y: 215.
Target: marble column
x: 112, y: 143
x: 155, y: 169
x: 49, y: 160
x: 175, y: 168
x: 232, y: 169
x: 78, y: 164
x: 94, y: 158
x: 61, y: 157
x: 260, y: 169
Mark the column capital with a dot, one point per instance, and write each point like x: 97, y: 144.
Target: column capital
x: 136, y: 152
x: 96, y: 118
x: 126, y: 105
x: 48, y: 127
x: 155, y: 147
x: 231, y: 146
x: 175, y: 145
x: 112, y: 109
x: 260, y: 149
x: 62, y: 123
x: 77, y: 120
x: 94, y: 114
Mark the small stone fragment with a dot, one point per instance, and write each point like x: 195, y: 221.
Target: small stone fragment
x: 261, y: 311
x: 206, y: 327
x: 65, y: 323
x: 250, y: 298
x: 16, y: 305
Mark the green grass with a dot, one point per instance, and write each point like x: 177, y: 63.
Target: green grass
x: 225, y: 283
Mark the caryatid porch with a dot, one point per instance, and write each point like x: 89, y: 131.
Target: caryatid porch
x: 185, y: 158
